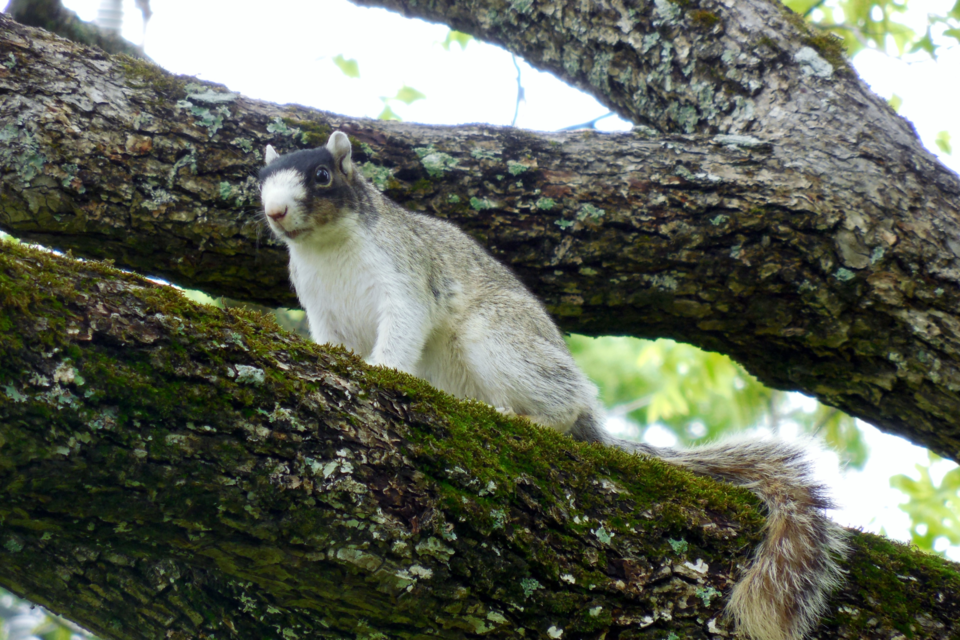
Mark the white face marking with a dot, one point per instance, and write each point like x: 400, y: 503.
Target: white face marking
x: 282, y: 195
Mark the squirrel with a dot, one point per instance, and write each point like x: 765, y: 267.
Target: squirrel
x: 415, y: 293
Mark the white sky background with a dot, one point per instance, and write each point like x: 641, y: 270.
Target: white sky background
x: 281, y: 51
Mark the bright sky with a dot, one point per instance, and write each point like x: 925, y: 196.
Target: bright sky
x: 284, y: 54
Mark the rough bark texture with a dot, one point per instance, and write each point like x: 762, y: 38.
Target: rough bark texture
x: 175, y: 471
x: 824, y: 259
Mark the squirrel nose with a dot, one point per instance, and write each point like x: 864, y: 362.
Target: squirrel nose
x: 276, y: 213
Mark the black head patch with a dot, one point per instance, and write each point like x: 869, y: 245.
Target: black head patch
x: 304, y: 162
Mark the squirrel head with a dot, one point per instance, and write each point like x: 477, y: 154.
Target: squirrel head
x: 304, y: 191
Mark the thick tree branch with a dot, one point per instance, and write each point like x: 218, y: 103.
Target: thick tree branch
x: 170, y: 470
x: 821, y: 269
x: 54, y: 17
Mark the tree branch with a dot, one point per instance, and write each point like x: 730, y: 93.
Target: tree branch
x: 172, y: 470
x: 820, y: 269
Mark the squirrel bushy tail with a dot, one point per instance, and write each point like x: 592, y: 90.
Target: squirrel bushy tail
x: 783, y: 592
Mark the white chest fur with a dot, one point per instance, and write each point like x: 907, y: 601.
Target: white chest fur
x: 340, y: 288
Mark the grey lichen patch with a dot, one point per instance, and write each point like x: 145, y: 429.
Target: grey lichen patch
x: 746, y: 142
x: 546, y: 204
x: 666, y: 11
x: 280, y: 127
x: 529, y: 586
x: 664, y: 282
x: 649, y: 41
x: 812, y: 64
x: 563, y: 224
x: 496, y: 617
x: 19, y: 151
x: 226, y: 190
x: 70, y: 179
x: 12, y: 394
x: 453, y: 198
x: 707, y: 594
x: 10, y: 62
x: 245, y: 144
x: 480, y: 153
x: 679, y: 546
x: 516, y: 168
x: 844, y: 275
x: 249, y: 375
x: 479, y: 204
x: 13, y: 545
x: 435, y: 162
x: 701, y: 177
x: 379, y: 175
x: 590, y: 211
x: 200, y: 93
x: 211, y: 119
x: 187, y: 160
x: 604, y: 536
x: 877, y: 255
x: 362, y: 559
x: 157, y: 196
x: 719, y: 220
x: 66, y: 373
x: 436, y: 549
x: 521, y: 6
x: 282, y: 415
x: 599, y: 75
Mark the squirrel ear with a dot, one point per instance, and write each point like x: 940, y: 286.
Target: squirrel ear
x: 339, y: 146
x: 269, y: 155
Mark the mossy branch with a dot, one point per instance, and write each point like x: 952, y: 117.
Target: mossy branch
x: 173, y: 470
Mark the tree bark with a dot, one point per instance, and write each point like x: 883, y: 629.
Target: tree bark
x: 54, y: 17
x: 824, y: 260
x: 178, y: 471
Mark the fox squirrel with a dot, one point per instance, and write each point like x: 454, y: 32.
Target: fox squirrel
x: 415, y: 293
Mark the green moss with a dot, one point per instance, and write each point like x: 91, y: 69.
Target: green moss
x: 704, y: 19
x: 423, y: 185
x: 768, y: 42
x: 142, y: 75
x: 831, y: 48
x: 902, y: 582
x: 312, y: 134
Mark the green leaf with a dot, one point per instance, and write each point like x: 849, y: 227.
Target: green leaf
x: 952, y: 33
x: 933, y: 509
x: 456, y: 36
x: 840, y: 432
x: 388, y: 114
x: 350, y: 68
x: 925, y: 44
x: 408, y: 95
x: 943, y: 142
x: 802, y: 6
x: 895, y: 102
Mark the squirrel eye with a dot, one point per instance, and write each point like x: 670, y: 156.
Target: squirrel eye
x: 323, y: 176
